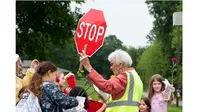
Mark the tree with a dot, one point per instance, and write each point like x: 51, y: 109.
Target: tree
x: 163, y: 29
x: 65, y: 57
x: 135, y: 54
x: 163, y: 12
x: 40, y: 23
x: 153, y: 61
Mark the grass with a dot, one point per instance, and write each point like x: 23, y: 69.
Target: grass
x: 90, y: 89
x: 171, y: 108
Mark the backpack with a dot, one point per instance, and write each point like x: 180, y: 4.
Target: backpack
x: 28, y: 103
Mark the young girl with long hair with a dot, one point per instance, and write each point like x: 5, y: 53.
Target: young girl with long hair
x: 156, y: 87
x: 42, y: 85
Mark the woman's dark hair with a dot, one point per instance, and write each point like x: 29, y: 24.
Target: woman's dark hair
x: 79, y: 91
x: 147, y: 102
x: 36, y: 81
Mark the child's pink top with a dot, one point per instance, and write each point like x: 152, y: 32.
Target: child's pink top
x: 158, y: 104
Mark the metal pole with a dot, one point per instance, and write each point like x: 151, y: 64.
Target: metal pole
x: 172, y: 78
x: 178, y: 57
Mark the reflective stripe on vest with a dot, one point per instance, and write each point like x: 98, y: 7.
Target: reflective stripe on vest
x: 130, y: 96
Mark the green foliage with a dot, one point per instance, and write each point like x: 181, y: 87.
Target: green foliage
x: 153, y: 61
x: 163, y: 13
x: 174, y: 35
x: 135, y: 54
x: 164, y: 32
x: 65, y: 57
x: 43, y: 23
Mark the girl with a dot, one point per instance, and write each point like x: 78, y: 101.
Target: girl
x: 145, y: 105
x: 62, y: 80
x: 156, y: 87
x: 52, y: 99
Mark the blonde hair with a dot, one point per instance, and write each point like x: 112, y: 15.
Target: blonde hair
x: 159, y: 78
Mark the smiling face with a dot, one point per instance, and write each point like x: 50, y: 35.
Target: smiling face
x: 157, y: 86
x: 143, y: 107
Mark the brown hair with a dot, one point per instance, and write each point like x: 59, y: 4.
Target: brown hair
x: 22, y: 91
x: 147, y: 102
x: 36, y: 81
x: 159, y: 78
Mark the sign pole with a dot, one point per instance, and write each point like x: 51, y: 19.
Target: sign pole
x: 177, y: 21
x: 80, y: 70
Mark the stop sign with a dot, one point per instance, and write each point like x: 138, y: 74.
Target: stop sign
x: 90, y: 31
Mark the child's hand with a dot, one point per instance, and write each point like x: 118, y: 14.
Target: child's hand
x: 101, y: 99
x: 102, y: 109
x: 172, y: 88
x: 34, y: 63
x: 171, y: 99
x: 68, y: 89
x: 89, y: 98
x: 68, y: 75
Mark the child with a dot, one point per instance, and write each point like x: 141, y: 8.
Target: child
x: 49, y: 94
x: 145, y: 105
x: 156, y: 87
x: 62, y: 79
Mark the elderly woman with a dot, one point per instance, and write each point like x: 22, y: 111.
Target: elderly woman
x: 125, y: 88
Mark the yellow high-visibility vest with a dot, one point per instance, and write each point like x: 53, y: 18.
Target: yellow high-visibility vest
x: 129, y: 102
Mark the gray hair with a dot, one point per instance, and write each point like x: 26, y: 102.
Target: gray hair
x: 120, y: 56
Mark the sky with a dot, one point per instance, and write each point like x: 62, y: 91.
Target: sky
x: 129, y: 20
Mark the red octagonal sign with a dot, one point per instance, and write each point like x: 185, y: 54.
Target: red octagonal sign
x: 90, y: 31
